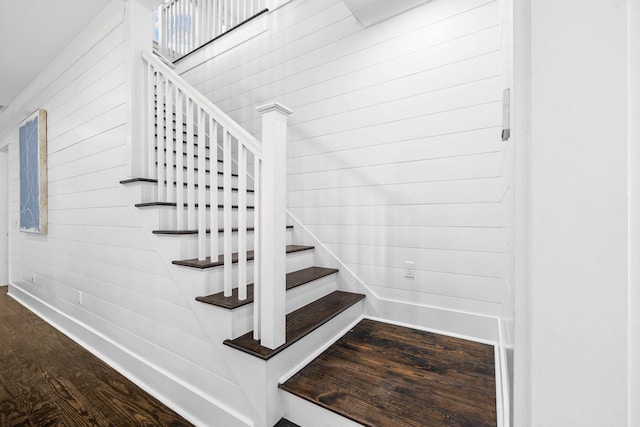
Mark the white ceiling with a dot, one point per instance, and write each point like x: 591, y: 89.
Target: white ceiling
x: 33, y: 32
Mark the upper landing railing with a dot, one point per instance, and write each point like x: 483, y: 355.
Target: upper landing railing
x: 185, y: 25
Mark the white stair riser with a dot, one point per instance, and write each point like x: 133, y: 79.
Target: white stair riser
x: 242, y: 318
x: 210, y: 280
x: 303, y: 412
x: 165, y: 218
x: 150, y: 194
x: 186, y: 246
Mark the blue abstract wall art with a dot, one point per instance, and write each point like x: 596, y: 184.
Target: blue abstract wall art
x: 33, y: 173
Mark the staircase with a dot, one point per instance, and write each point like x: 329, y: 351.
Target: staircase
x: 202, y: 195
x: 213, y: 200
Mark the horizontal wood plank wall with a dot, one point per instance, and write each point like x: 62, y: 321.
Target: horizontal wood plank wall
x: 94, y: 245
x: 395, y: 152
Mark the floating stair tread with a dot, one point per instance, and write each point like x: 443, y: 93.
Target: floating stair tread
x: 294, y: 279
x: 155, y: 181
x: 300, y: 323
x: 285, y: 423
x: 187, y: 232
x: 207, y: 263
x: 174, y: 204
x: 380, y: 374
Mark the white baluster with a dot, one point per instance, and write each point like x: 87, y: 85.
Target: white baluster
x: 160, y: 162
x: 213, y: 187
x: 191, y: 203
x: 257, y: 239
x: 169, y: 141
x: 152, y: 122
x: 180, y: 209
x: 242, y: 221
x: 202, y: 188
x: 227, y: 213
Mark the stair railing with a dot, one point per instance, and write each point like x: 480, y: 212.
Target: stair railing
x: 186, y: 25
x: 188, y: 137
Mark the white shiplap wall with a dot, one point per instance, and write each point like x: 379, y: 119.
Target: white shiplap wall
x: 96, y: 246
x: 394, y: 145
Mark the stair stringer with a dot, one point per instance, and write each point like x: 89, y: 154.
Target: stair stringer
x: 215, y: 323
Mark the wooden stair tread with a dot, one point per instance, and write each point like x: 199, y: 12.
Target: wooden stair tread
x: 187, y: 232
x: 285, y: 423
x: 380, y: 374
x: 184, y: 184
x: 300, y: 323
x: 174, y: 204
x: 294, y: 279
x: 207, y: 263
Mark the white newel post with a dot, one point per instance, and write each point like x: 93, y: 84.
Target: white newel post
x: 139, y: 39
x: 273, y: 222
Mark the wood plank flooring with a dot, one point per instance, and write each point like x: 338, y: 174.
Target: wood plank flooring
x: 380, y: 374
x: 46, y: 379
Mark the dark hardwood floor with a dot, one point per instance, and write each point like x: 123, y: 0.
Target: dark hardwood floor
x: 380, y: 374
x: 46, y: 379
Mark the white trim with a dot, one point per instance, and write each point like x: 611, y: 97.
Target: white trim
x: 132, y: 366
x: 522, y: 373
x: 502, y: 380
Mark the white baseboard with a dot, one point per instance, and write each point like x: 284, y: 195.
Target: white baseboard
x: 196, y: 408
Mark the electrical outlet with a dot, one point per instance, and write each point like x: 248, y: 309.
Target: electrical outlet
x: 410, y: 269
x: 80, y: 297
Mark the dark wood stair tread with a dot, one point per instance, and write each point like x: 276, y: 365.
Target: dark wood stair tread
x: 184, y: 184
x: 294, y: 279
x: 285, y: 423
x: 300, y: 323
x: 174, y: 204
x: 207, y: 263
x: 187, y: 232
x: 380, y: 374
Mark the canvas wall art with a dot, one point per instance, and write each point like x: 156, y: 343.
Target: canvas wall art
x: 33, y: 173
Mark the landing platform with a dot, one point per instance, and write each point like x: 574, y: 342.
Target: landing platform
x: 380, y: 374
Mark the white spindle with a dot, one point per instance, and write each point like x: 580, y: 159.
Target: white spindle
x: 191, y: 203
x: 213, y: 187
x: 151, y: 137
x: 242, y: 221
x: 172, y: 28
x: 160, y: 149
x: 227, y: 212
x: 169, y: 141
x: 180, y: 209
x: 202, y: 188
x: 232, y: 13
x: 257, y: 233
